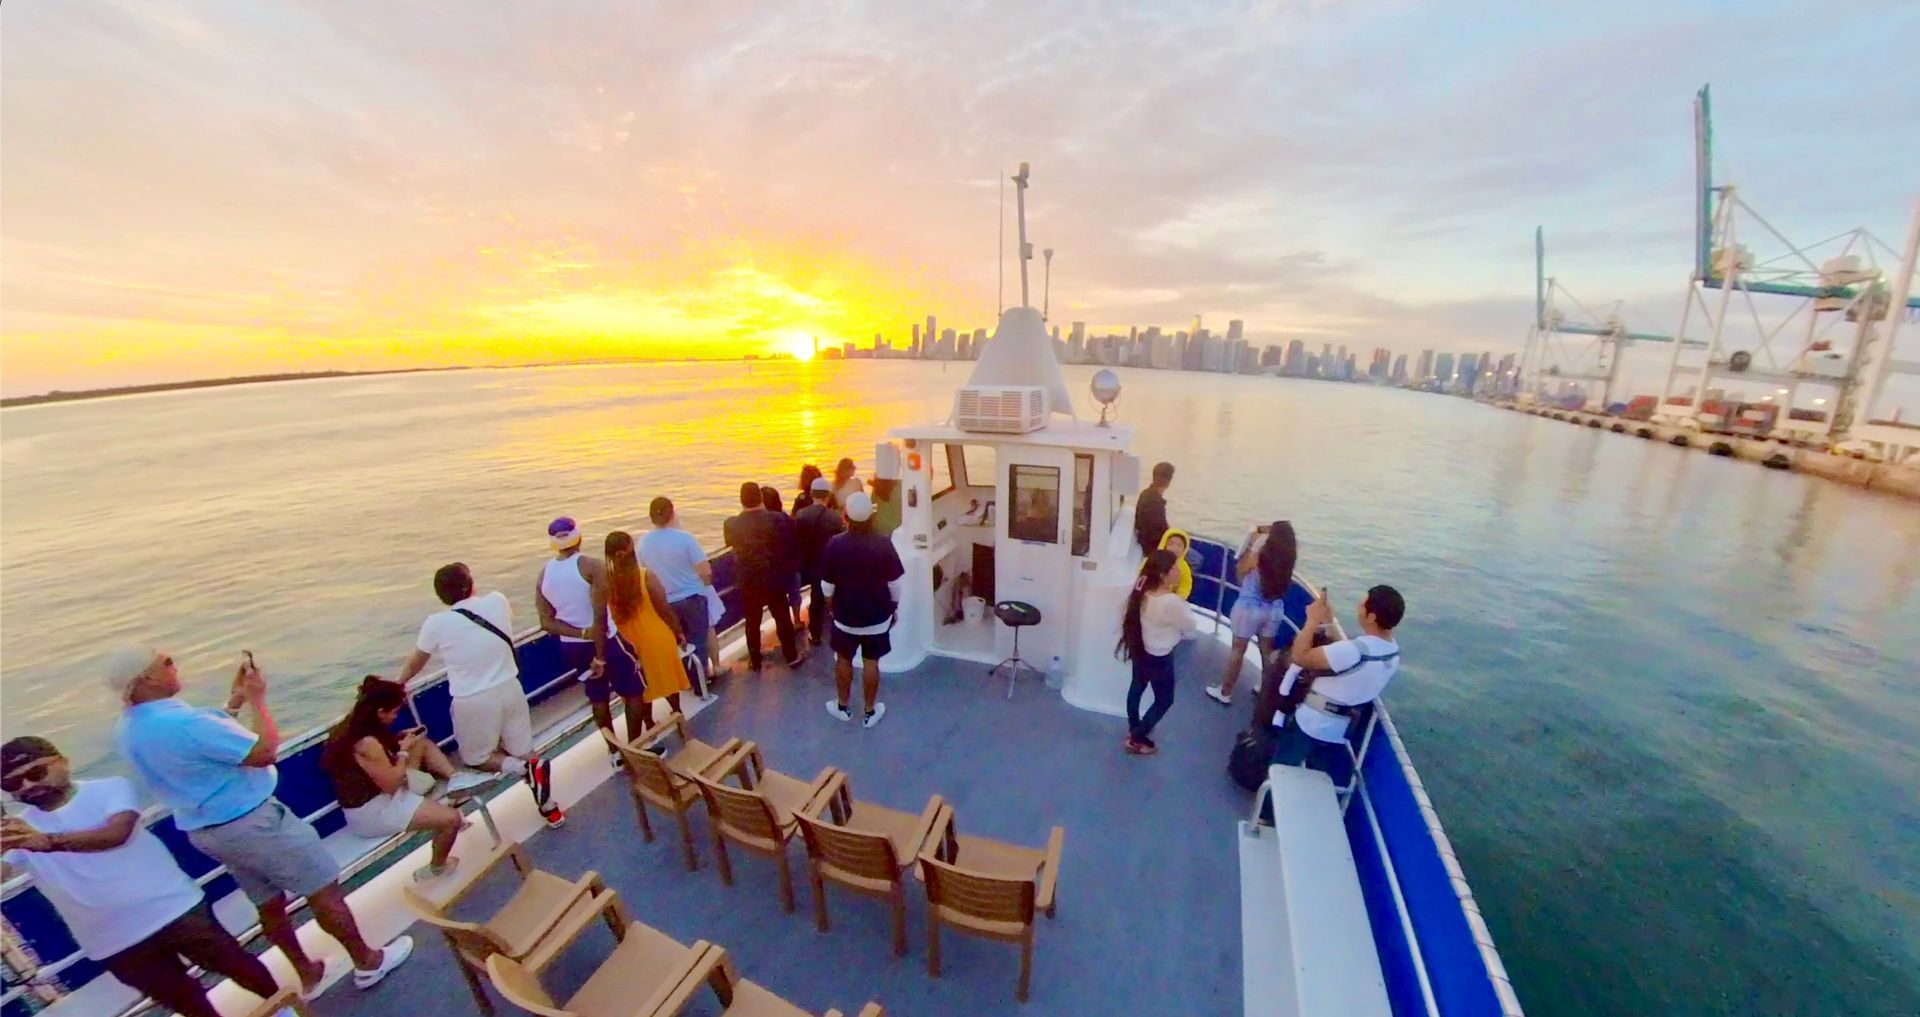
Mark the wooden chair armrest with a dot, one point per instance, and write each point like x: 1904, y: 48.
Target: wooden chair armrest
x: 940, y: 844
x: 506, y: 849
x: 750, y: 766
x: 817, y: 790
x: 677, y: 992
x: 1050, y: 869
x: 725, y: 760
x: 926, y: 827
x: 658, y: 731
x: 509, y: 988
x: 834, y: 794
x: 558, y: 931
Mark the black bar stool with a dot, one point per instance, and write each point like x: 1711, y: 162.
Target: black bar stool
x: 1016, y: 615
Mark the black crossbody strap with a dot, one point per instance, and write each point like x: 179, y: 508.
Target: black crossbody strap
x: 490, y: 626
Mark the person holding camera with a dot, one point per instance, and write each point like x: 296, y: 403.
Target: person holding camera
x: 381, y: 778
x: 1339, y: 678
x: 218, y: 779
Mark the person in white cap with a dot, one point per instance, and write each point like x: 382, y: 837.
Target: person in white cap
x: 861, y: 572
x: 218, y: 778
x: 571, y: 598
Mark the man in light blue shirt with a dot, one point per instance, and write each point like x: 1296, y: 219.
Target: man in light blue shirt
x: 673, y: 555
x: 218, y: 778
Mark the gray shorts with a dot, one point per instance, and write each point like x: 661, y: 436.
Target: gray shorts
x: 270, y: 851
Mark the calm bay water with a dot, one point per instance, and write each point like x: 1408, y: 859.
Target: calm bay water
x: 1666, y: 704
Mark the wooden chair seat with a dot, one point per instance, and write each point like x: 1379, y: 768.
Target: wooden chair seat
x: 989, y: 889
x: 635, y: 980
x: 759, y: 815
x: 666, y: 780
x: 739, y: 997
x: 865, y: 847
x: 544, y: 913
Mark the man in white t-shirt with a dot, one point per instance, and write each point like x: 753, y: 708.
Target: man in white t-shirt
x: 473, y: 639
x: 123, y: 897
x: 1354, y: 672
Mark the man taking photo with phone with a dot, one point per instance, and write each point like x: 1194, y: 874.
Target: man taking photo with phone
x: 1342, y: 677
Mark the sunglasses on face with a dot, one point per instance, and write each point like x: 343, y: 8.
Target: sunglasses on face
x: 33, y: 773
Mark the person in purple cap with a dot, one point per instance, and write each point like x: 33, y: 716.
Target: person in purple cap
x: 571, y: 598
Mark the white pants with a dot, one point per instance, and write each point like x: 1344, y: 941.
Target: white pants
x: 495, y: 718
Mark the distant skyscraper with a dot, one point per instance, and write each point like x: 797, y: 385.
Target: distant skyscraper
x: 928, y: 347
x: 1235, y: 329
x: 1425, y: 370
x: 1399, y: 374
x: 1296, y: 362
x: 1469, y: 372
x: 949, y: 345
x: 1443, y: 370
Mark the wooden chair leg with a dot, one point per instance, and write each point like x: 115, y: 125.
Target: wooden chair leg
x: 819, y: 901
x: 686, y: 842
x: 720, y: 853
x: 1026, y: 965
x: 899, y: 922
x: 474, y: 983
x: 933, y: 946
x: 646, y: 825
x: 786, y: 879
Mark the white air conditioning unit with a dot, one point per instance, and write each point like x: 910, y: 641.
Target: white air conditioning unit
x: 1000, y: 409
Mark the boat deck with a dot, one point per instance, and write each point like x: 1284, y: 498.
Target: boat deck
x: 1149, y: 902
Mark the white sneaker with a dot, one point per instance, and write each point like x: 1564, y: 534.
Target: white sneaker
x: 431, y: 871
x: 463, y: 780
x: 1213, y: 692
x: 837, y: 711
x: 392, y: 956
x: 873, y: 716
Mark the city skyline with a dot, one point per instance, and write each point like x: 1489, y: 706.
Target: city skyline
x: 272, y: 188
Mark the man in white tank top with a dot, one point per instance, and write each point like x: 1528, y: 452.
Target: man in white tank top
x: 571, y: 598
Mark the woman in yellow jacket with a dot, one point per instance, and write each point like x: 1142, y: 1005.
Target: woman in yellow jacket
x: 645, y: 630
x: 1178, y: 542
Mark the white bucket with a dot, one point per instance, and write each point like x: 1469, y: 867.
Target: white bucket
x: 973, y: 609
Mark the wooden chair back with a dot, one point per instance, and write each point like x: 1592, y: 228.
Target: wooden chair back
x: 989, y: 905
x: 745, y: 816
x: 850, y: 855
x: 651, y: 777
x: 512, y: 980
x: 474, y: 940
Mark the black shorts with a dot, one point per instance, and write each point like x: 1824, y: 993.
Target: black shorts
x: 622, y: 676
x: 872, y: 647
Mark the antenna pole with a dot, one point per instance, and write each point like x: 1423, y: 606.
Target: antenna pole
x: 1026, y: 249
x: 1046, y: 288
x: 1000, y: 295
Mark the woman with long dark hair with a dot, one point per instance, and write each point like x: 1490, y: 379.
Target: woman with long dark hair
x: 1265, y: 577
x: 1156, y: 620
x: 808, y: 474
x: 377, y: 774
x: 645, y: 630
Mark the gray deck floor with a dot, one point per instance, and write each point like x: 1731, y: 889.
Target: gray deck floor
x: 1149, y: 918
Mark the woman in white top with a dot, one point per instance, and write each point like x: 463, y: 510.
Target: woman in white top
x: 1156, y: 620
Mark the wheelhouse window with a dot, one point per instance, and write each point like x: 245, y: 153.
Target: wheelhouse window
x: 1035, y: 493
x: 974, y: 464
x: 942, y: 469
x: 1082, y: 503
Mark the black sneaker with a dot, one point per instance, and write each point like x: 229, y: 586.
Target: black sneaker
x: 540, y: 779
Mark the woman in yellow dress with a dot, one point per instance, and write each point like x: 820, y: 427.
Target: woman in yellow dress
x: 644, y: 629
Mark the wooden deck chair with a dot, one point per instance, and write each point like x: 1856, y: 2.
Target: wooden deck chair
x: 866, y: 848
x: 739, y: 997
x: 634, y: 981
x: 990, y: 889
x: 288, y: 999
x: 666, y: 780
x: 760, y: 816
x: 529, y: 929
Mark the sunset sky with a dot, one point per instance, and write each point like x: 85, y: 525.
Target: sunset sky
x: 214, y: 188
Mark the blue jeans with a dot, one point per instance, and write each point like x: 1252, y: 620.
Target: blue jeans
x: 692, y: 612
x: 1294, y: 747
x: 1157, y: 673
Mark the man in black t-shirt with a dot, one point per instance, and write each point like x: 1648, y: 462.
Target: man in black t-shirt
x: 761, y: 543
x: 861, y: 572
x: 1150, y: 512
